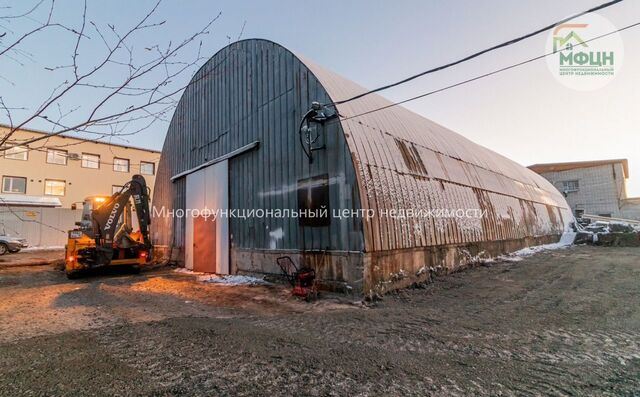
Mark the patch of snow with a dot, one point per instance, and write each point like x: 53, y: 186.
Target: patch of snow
x: 509, y: 258
x: 228, y: 279
x: 232, y: 280
x: 567, y: 238
x: 565, y: 241
x: 43, y: 248
x: 481, y: 258
x: 184, y: 270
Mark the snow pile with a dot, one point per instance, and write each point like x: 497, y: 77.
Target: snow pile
x: 232, y: 280
x: 608, y: 233
x: 184, y: 270
x: 228, y: 279
x: 509, y: 258
x: 538, y: 248
x: 565, y: 241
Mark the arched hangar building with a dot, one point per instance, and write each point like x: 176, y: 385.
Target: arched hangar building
x: 234, y: 143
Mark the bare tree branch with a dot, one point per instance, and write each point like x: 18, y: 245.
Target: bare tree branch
x: 35, y: 7
x: 148, y: 82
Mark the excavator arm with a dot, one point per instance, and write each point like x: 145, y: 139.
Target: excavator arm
x: 105, y: 218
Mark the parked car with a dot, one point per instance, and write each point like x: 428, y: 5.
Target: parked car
x: 11, y: 244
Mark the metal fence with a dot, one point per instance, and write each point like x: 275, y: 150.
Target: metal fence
x: 41, y: 226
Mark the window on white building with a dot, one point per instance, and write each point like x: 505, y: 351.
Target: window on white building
x: 570, y: 186
x: 14, y: 184
x: 120, y: 165
x: 115, y: 189
x: 56, y: 156
x: 53, y: 187
x: 90, y: 161
x: 147, y: 168
x: 17, y: 153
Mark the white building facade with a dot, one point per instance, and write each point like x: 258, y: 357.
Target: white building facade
x: 593, y: 187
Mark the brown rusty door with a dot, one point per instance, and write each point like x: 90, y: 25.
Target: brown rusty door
x: 204, y: 244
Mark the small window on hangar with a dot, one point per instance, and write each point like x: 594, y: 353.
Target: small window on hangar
x: 313, y: 197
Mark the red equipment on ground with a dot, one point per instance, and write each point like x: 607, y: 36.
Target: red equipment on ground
x: 303, y: 280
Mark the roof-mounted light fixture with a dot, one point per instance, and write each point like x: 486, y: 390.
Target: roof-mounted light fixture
x: 312, y: 127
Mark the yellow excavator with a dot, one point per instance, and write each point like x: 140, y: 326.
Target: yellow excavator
x: 105, y: 237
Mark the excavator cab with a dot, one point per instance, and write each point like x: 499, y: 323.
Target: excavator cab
x: 89, y: 205
x: 105, y: 234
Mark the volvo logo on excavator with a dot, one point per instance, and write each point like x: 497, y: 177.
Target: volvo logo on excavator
x: 112, y: 215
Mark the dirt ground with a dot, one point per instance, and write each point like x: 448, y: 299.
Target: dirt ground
x: 31, y: 256
x: 563, y: 322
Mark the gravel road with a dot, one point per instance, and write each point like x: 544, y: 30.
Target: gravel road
x: 563, y: 322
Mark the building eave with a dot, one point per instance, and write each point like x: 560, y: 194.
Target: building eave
x: 558, y: 167
x: 68, y: 136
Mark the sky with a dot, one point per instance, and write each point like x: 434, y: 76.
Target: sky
x: 524, y: 113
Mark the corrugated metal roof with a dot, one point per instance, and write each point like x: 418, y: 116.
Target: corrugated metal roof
x: 405, y: 161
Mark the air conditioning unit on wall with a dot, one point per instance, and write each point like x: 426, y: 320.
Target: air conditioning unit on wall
x: 73, y: 156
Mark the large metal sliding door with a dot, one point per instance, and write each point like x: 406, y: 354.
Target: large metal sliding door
x: 207, y: 238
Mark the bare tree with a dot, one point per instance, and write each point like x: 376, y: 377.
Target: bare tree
x: 146, y: 86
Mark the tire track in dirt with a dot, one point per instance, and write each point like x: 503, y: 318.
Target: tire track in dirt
x: 214, y: 365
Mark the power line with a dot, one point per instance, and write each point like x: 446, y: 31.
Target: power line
x: 515, y: 65
x: 477, y: 54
